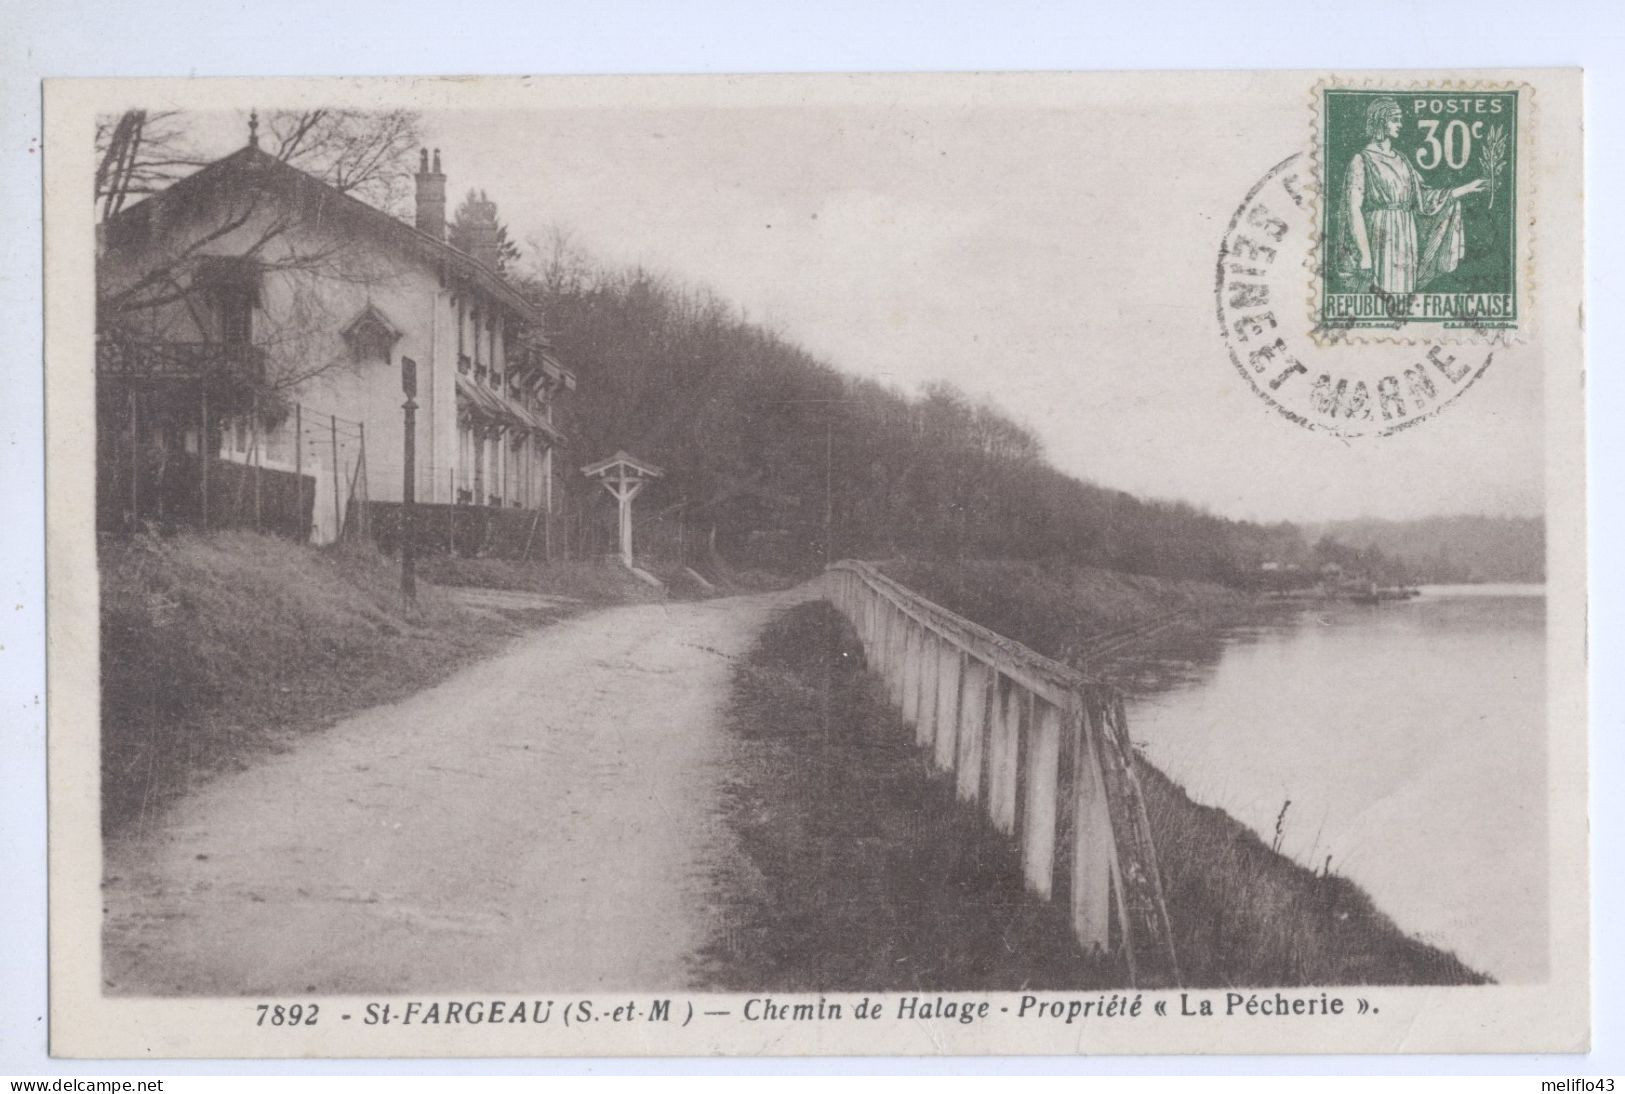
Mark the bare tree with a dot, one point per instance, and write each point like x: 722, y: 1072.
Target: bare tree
x: 138, y: 153
x: 555, y: 264
x: 367, y: 155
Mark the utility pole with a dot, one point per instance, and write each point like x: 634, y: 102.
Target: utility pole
x: 829, y: 491
x: 409, y: 577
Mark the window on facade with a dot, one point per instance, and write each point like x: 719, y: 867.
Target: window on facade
x: 236, y: 309
x: 495, y: 376
x: 232, y: 288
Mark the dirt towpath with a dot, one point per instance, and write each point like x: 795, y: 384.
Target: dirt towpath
x: 547, y: 819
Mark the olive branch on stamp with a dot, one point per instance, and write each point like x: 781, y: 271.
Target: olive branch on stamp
x: 1494, y: 155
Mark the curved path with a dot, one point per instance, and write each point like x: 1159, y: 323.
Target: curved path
x: 546, y: 819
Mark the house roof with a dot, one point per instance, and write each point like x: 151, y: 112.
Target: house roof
x: 496, y: 406
x: 371, y: 318
x: 264, y: 169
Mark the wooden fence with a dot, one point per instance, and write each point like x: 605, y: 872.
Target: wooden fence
x: 1042, y: 749
x: 290, y: 470
x: 465, y: 530
x: 176, y: 490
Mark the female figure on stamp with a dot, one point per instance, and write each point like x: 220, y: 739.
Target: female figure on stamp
x: 1401, y: 232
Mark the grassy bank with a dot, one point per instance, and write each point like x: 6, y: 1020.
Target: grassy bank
x: 864, y: 871
x: 1245, y: 915
x: 217, y: 649
x: 860, y: 871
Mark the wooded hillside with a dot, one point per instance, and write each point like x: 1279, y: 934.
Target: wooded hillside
x: 1451, y: 549
x: 788, y: 461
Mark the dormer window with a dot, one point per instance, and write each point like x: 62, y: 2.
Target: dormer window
x: 371, y: 335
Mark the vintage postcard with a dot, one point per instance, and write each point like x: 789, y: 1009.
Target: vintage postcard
x: 930, y: 564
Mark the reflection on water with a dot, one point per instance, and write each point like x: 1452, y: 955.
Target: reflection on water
x: 1409, y: 738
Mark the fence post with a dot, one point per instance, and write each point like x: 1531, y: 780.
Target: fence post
x: 1004, y: 723
x: 299, y: 470
x: 911, y: 671
x: 407, y: 523
x: 203, y: 455
x: 1096, y: 846
x: 254, y: 409
x: 946, y: 724
x: 364, y: 522
x: 135, y: 460
x: 972, y: 724
x: 1038, y: 835
x: 894, y: 658
x: 899, y: 645
x: 1066, y: 800
x: 930, y: 665
x: 338, y: 517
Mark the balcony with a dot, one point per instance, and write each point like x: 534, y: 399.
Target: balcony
x: 186, y: 361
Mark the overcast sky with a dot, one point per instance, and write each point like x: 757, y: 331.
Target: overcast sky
x: 1048, y: 259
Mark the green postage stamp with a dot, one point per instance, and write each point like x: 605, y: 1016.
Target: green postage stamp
x: 1419, y: 210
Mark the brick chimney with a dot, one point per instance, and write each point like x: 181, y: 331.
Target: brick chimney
x: 482, y: 232
x: 431, y: 194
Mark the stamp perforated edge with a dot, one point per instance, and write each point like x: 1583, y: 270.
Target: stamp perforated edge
x: 1296, y: 416
x: 1523, y: 226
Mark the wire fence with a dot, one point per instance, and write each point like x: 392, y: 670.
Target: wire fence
x: 166, y: 463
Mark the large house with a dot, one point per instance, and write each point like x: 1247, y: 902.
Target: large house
x: 257, y: 315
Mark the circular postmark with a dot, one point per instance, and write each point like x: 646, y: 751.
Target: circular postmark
x: 1262, y: 292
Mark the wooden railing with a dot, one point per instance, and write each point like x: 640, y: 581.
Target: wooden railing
x: 126, y: 359
x: 1042, y: 749
x: 466, y: 530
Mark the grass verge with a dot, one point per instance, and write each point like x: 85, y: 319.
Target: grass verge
x: 216, y: 649
x: 861, y: 871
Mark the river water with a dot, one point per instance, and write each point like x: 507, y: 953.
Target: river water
x: 1409, y: 738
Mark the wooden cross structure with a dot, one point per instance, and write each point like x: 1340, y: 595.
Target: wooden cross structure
x: 625, y: 477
